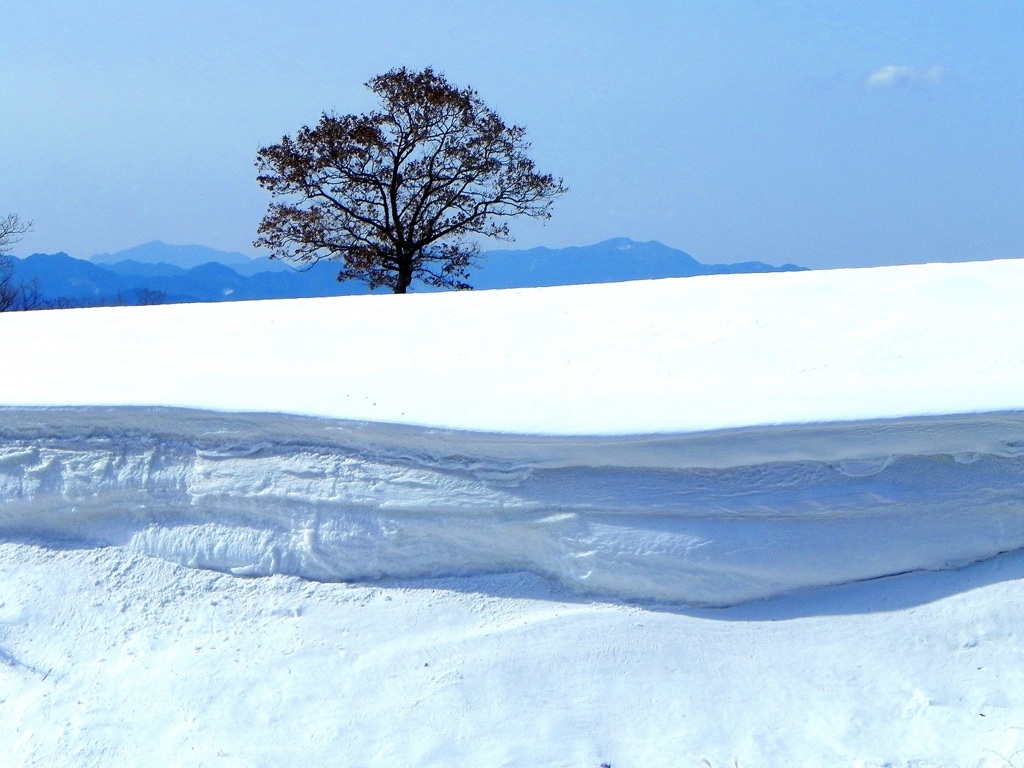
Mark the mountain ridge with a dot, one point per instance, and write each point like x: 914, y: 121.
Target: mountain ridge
x: 158, y: 272
x: 187, y: 257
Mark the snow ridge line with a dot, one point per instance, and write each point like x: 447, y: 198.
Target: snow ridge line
x: 706, y: 519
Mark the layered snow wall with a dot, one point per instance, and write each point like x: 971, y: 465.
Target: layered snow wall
x: 711, y: 518
x: 705, y: 440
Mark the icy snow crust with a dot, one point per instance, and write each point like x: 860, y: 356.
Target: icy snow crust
x: 708, y: 519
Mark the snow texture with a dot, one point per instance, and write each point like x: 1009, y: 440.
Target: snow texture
x: 704, y: 519
x: 114, y: 659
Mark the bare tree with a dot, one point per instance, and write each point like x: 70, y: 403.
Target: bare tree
x: 11, y: 231
x: 150, y: 296
x: 8, y: 289
x: 395, y: 193
x: 30, y: 296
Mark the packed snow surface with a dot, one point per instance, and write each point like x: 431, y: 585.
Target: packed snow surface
x: 521, y: 527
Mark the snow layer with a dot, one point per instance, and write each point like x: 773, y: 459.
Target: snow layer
x: 662, y: 356
x: 705, y: 519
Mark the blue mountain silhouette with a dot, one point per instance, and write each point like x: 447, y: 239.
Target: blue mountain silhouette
x: 158, y: 272
x: 610, y: 261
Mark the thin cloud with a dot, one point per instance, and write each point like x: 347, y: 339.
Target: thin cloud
x: 892, y: 75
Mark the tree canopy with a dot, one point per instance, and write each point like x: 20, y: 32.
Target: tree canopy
x: 395, y: 194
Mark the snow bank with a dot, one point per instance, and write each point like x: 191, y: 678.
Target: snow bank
x: 705, y: 519
x: 709, y: 440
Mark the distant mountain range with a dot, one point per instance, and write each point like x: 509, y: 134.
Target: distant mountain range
x: 186, y: 257
x: 160, y: 273
x: 610, y: 261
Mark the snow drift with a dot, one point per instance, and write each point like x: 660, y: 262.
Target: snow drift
x: 706, y: 519
x: 707, y: 441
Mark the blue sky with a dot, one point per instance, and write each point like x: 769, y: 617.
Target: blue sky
x: 823, y: 133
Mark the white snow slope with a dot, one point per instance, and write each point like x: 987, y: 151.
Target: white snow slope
x: 508, y: 468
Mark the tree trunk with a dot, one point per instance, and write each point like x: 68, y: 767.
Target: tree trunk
x: 404, y: 274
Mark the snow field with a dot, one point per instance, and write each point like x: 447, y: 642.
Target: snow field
x: 490, y: 529
x: 113, y: 658
x: 659, y: 356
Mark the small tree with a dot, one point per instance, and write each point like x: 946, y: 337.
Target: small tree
x: 394, y: 193
x: 11, y: 230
